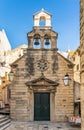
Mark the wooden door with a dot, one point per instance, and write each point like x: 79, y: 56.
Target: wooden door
x: 41, y: 106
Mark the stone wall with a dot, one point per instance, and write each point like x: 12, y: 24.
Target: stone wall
x: 22, y: 97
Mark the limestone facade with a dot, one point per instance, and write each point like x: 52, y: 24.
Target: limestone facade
x: 4, y: 47
x: 82, y: 58
x: 4, y: 43
x: 41, y: 71
x: 15, y: 54
x: 75, y: 58
x: 9, y: 57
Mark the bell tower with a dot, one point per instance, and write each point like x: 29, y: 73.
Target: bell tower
x: 42, y: 36
x: 42, y: 15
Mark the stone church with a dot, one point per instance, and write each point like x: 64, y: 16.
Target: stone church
x: 38, y: 92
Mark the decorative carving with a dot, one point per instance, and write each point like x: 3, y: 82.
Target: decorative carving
x: 42, y: 83
x: 42, y: 65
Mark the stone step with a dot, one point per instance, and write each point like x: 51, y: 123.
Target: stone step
x: 3, y: 119
x: 4, y: 122
x: 5, y: 126
x: 2, y: 116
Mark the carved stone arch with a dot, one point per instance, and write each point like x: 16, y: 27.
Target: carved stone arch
x: 37, y: 36
x: 47, y: 35
x: 47, y: 41
x: 37, y: 41
x: 42, y: 19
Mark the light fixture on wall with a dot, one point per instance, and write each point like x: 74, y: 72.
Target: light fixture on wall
x: 66, y: 80
x: 11, y: 76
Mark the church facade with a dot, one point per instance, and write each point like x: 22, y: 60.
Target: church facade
x: 38, y: 92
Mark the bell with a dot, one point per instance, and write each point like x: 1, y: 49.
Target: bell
x: 47, y: 42
x: 36, y: 42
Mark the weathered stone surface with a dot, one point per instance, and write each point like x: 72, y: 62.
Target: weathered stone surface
x: 41, y: 126
x: 29, y: 79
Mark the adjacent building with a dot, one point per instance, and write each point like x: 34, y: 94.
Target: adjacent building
x: 9, y: 56
x: 4, y: 43
x: 82, y: 58
x: 15, y: 54
x: 75, y: 58
x: 4, y: 48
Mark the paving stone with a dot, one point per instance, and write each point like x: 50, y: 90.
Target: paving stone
x: 30, y: 128
x: 40, y: 126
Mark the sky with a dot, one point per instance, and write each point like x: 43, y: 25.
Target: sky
x: 16, y: 18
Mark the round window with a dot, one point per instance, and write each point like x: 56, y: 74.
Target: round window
x: 42, y: 65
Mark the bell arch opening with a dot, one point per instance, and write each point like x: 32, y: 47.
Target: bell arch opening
x: 37, y: 41
x: 47, y: 42
x: 42, y: 21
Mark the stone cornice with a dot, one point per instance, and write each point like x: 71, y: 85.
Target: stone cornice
x: 42, y: 49
x: 43, y: 79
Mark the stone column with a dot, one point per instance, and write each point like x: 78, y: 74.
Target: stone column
x: 42, y: 42
x: 30, y: 43
x: 53, y: 42
x: 31, y: 106
x: 52, y: 106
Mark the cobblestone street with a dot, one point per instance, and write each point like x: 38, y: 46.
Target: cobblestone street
x: 40, y: 126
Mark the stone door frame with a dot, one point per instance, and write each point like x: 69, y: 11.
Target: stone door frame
x: 42, y: 84
x: 52, y: 105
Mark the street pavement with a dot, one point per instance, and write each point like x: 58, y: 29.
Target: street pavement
x: 43, y: 125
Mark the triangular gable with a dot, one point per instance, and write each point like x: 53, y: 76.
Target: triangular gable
x: 69, y: 62
x: 42, y: 10
x: 42, y: 79
x: 16, y: 61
